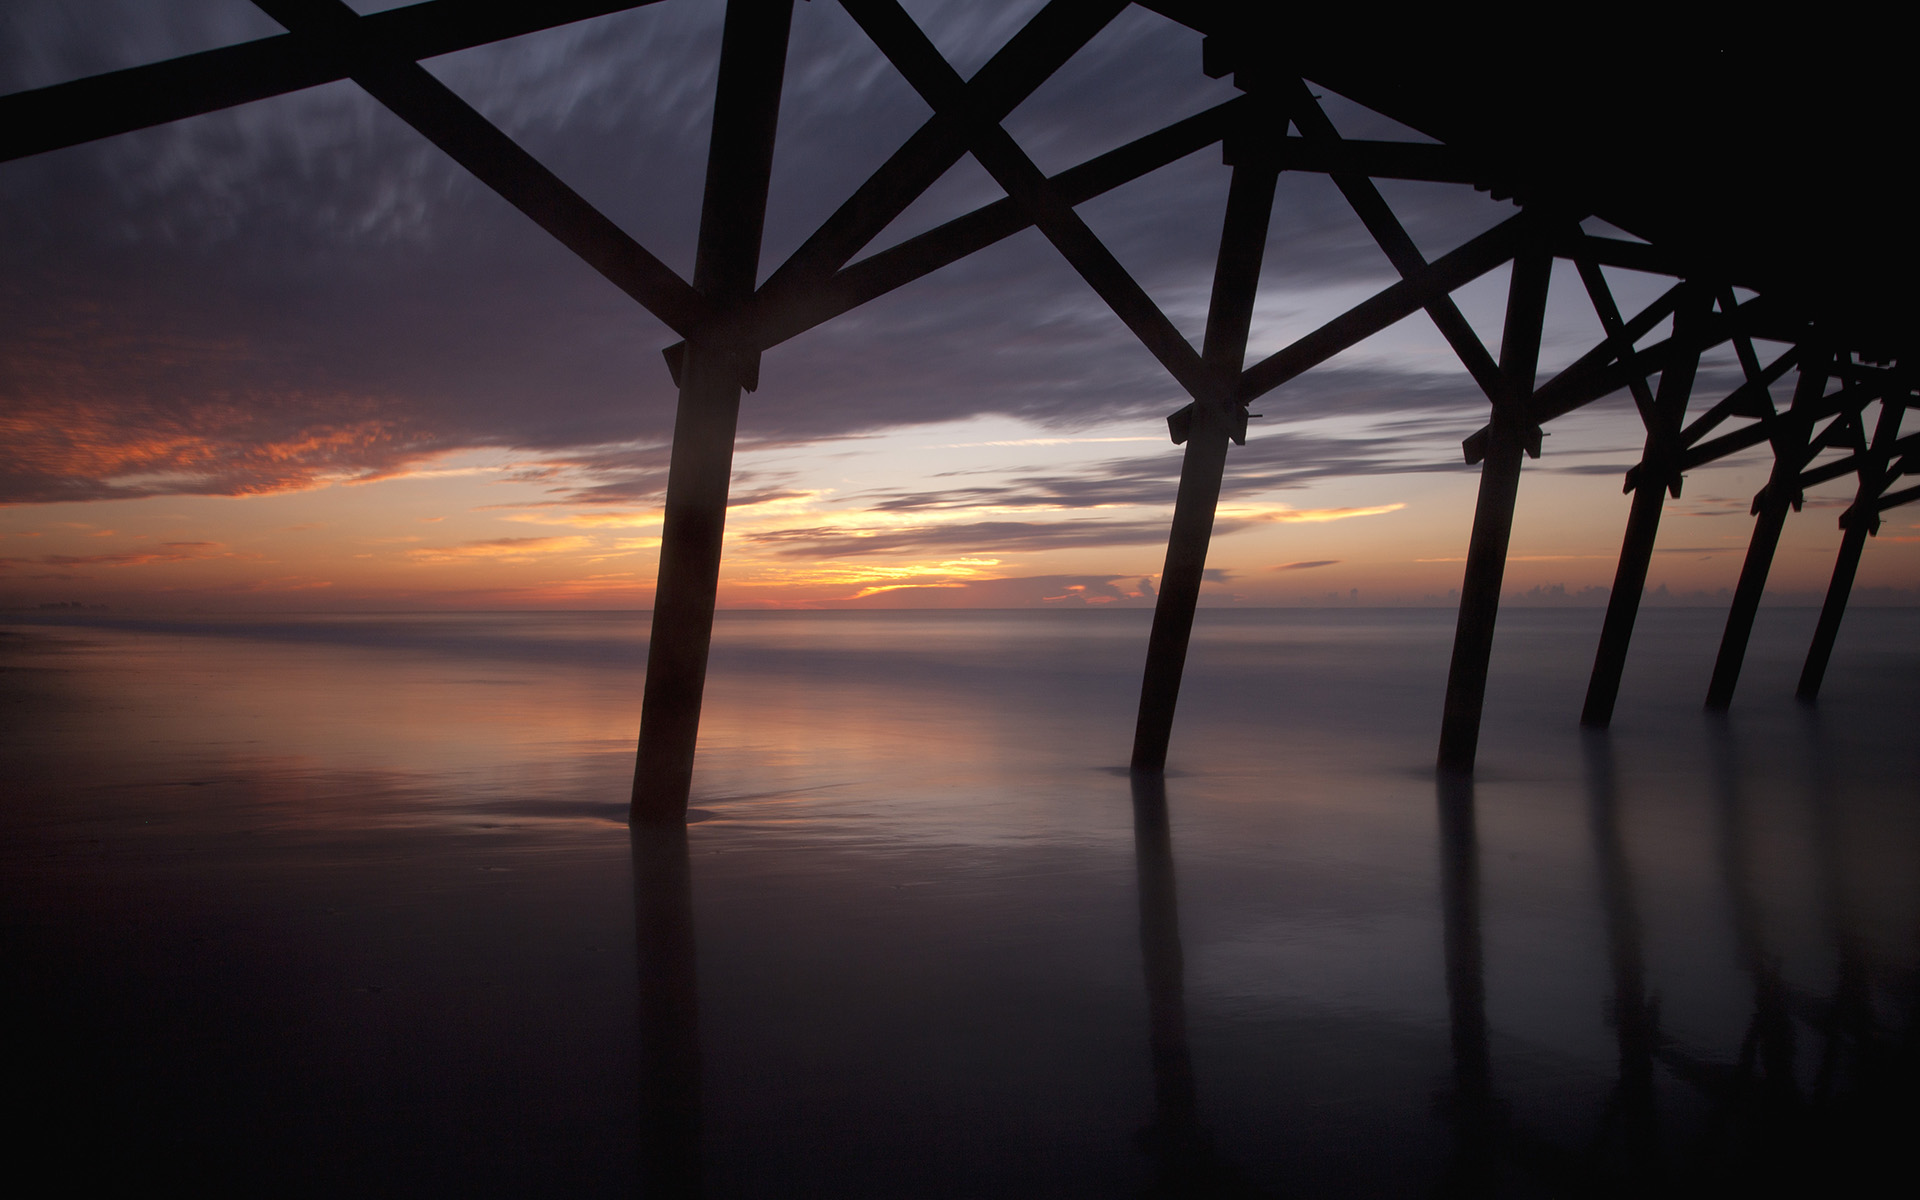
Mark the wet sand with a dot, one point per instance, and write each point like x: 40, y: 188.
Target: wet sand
x: 331, y: 905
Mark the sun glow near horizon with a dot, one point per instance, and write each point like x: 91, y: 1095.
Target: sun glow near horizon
x: 976, y: 513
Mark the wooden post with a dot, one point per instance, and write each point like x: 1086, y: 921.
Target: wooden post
x: 1789, y: 456
x: 1659, y: 473
x: 1857, y: 522
x: 1510, y: 434
x: 1216, y: 419
x: 1835, y: 607
x: 1201, y: 472
x: 1623, y: 603
x: 1772, y: 517
x: 717, y: 363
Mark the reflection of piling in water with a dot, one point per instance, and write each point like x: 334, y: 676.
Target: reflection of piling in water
x: 1631, y: 1121
x: 1471, y: 1104
x: 1183, y: 1153
x: 1175, y: 1117
x: 669, y: 1138
x: 1763, y: 1086
x: 1846, y: 1021
x: 1861, y: 1101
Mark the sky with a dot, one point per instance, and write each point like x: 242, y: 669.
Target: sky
x: 290, y: 357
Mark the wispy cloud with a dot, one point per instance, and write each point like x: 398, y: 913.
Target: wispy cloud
x: 506, y: 549
x: 166, y: 552
x: 1044, y: 441
x: 1304, y: 516
x: 986, y: 537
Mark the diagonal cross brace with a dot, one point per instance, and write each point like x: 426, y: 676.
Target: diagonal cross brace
x: 1662, y: 415
x: 792, y: 312
x: 495, y: 159
x: 1620, y: 345
x: 894, y: 32
x: 85, y: 110
x: 1597, y: 373
x: 1377, y: 216
x: 1859, y: 461
x: 1750, y: 399
x: 1055, y: 34
x: 1454, y: 269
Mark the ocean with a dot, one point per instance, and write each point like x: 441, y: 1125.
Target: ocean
x: 346, y: 904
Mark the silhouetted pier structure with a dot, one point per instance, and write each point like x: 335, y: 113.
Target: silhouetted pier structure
x: 1764, y: 191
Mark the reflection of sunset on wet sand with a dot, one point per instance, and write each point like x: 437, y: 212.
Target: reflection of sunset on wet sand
x: 356, y: 892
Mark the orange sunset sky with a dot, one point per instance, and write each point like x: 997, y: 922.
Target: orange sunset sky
x: 287, y: 356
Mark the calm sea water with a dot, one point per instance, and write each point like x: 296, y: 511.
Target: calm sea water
x: 345, y: 905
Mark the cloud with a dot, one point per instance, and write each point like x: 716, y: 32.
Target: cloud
x: 1305, y: 516
x: 303, y: 291
x: 505, y: 549
x: 1612, y: 468
x: 166, y: 552
x: 1031, y: 591
x: 286, y: 583
x: 1591, y: 596
x: 1307, y: 565
x: 90, y: 421
x: 999, y: 537
x: 1271, y: 461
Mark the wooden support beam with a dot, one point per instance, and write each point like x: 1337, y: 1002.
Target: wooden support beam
x: 84, y: 110
x: 1028, y: 59
x: 453, y: 125
x: 753, y: 51
x: 1782, y: 487
x: 1617, y: 341
x: 1377, y: 160
x: 1861, y: 519
x: 1773, y: 428
x: 1612, y: 252
x: 1659, y: 475
x: 1493, y: 515
x: 902, y: 41
x: 1896, y: 499
x: 1751, y: 399
x: 1853, y: 462
x: 1853, y: 541
x: 1390, y: 305
x: 1598, y: 372
x: 1217, y: 417
x: 1386, y: 230
x: 784, y: 314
